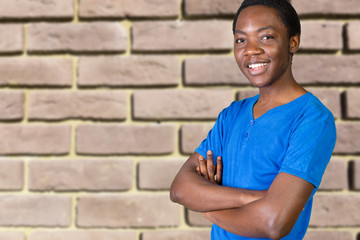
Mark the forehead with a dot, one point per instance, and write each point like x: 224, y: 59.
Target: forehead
x: 259, y: 16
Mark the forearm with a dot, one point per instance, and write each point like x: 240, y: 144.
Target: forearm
x: 272, y: 216
x: 202, y: 196
x: 198, y: 194
x: 248, y: 221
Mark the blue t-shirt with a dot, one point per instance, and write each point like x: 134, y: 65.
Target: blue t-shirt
x: 296, y: 138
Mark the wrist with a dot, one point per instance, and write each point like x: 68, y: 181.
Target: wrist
x: 248, y: 196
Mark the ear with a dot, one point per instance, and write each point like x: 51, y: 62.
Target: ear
x: 294, y: 43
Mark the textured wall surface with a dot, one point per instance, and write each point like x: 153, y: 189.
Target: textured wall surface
x: 103, y: 100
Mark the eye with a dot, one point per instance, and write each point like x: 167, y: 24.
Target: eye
x: 267, y: 37
x: 239, y: 41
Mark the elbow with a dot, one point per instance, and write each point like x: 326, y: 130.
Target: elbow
x: 275, y: 234
x: 278, y: 229
x: 179, y: 194
x: 175, y: 194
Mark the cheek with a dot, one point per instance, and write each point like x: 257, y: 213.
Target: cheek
x: 240, y: 62
x: 238, y: 58
x: 274, y: 52
x: 279, y: 55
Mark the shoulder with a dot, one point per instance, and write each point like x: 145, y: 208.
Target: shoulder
x: 315, y: 119
x: 314, y: 110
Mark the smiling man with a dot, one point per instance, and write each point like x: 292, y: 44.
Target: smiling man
x: 256, y: 173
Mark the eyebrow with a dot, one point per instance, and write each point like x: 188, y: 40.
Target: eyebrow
x: 265, y: 28
x: 259, y: 30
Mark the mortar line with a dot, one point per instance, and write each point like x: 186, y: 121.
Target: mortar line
x: 25, y: 189
x: 25, y: 106
x: 181, y: 13
x: 76, y: 12
x: 128, y: 29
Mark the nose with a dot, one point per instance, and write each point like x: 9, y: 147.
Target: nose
x: 253, y: 48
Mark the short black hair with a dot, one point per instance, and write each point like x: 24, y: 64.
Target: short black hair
x: 286, y: 12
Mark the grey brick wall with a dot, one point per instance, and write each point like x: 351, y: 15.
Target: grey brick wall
x: 103, y: 100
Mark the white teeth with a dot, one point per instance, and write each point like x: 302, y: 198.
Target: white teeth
x: 256, y: 65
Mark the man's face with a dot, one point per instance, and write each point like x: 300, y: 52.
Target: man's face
x: 261, y: 46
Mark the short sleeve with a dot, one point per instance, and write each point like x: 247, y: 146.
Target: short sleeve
x: 310, y: 149
x: 215, y: 138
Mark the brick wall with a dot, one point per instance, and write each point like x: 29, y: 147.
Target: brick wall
x: 103, y: 100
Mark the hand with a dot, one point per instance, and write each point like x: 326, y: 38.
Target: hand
x: 207, y: 169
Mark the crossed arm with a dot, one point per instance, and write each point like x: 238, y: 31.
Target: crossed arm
x: 257, y: 214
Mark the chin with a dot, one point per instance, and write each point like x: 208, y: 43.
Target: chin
x: 259, y: 83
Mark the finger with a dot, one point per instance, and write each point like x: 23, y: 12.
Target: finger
x: 198, y: 170
x: 202, y: 166
x: 210, y: 167
x: 219, y: 169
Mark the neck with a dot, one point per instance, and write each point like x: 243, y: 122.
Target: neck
x: 280, y: 92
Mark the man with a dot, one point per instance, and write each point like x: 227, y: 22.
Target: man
x: 270, y: 150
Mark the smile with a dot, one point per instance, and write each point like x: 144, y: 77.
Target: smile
x: 257, y: 65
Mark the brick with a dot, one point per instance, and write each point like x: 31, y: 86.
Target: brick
x: 348, y: 140
x: 335, y: 210
x: 35, y: 139
x: 353, y: 34
x: 192, y: 135
x: 352, y: 99
x: 11, y: 105
x: 355, y: 174
x: 34, y: 9
x: 328, y: 235
x: 81, y: 37
x: 11, y: 175
x: 313, y: 32
x: 125, y: 139
x: 248, y: 93
x: 35, y: 211
x: 213, y: 70
x: 165, y: 36
x: 326, y: 7
x: 336, y: 175
x: 330, y: 98
x: 129, y: 71
x: 9, y: 235
x: 83, y: 235
x: 330, y: 69
x: 180, y: 104
x: 11, y: 36
x: 196, y: 219
x: 127, y: 211
x: 36, y: 71
x: 177, y: 234
x: 158, y: 174
x: 211, y: 7
x: 128, y: 8
x: 58, y: 105
x: 87, y: 175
